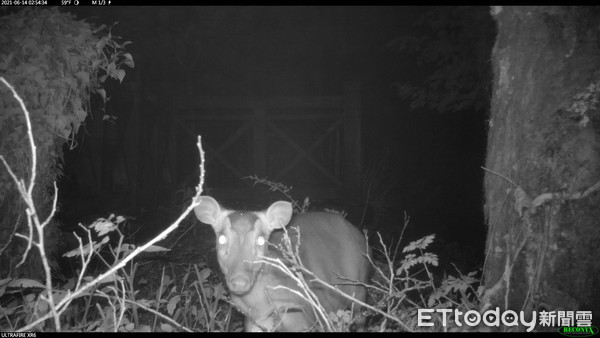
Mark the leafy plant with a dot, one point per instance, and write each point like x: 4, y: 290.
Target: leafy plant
x: 401, y: 291
x: 56, y: 63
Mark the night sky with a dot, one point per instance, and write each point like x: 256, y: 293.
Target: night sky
x: 433, y: 160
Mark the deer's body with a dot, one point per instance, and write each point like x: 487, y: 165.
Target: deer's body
x: 330, y: 247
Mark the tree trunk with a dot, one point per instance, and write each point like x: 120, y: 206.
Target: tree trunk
x: 542, y: 198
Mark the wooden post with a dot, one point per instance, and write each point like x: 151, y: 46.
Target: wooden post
x: 352, y: 138
x: 260, y: 144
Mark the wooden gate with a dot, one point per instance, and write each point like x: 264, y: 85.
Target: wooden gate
x: 309, y: 143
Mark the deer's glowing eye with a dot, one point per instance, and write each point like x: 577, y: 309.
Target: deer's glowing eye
x: 222, y: 239
x: 260, y: 240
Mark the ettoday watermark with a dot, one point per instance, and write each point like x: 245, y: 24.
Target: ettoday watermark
x: 495, y: 318
x: 474, y: 318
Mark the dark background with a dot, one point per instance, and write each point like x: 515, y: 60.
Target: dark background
x: 432, y: 159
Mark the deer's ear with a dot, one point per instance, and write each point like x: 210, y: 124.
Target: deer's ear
x: 279, y: 214
x: 208, y: 210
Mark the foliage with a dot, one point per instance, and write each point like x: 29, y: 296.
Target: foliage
x: 193, y: 303
x: 413, y: 286
x: 55, y: 62
x: 452, y: 51
x: 196, y: 302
